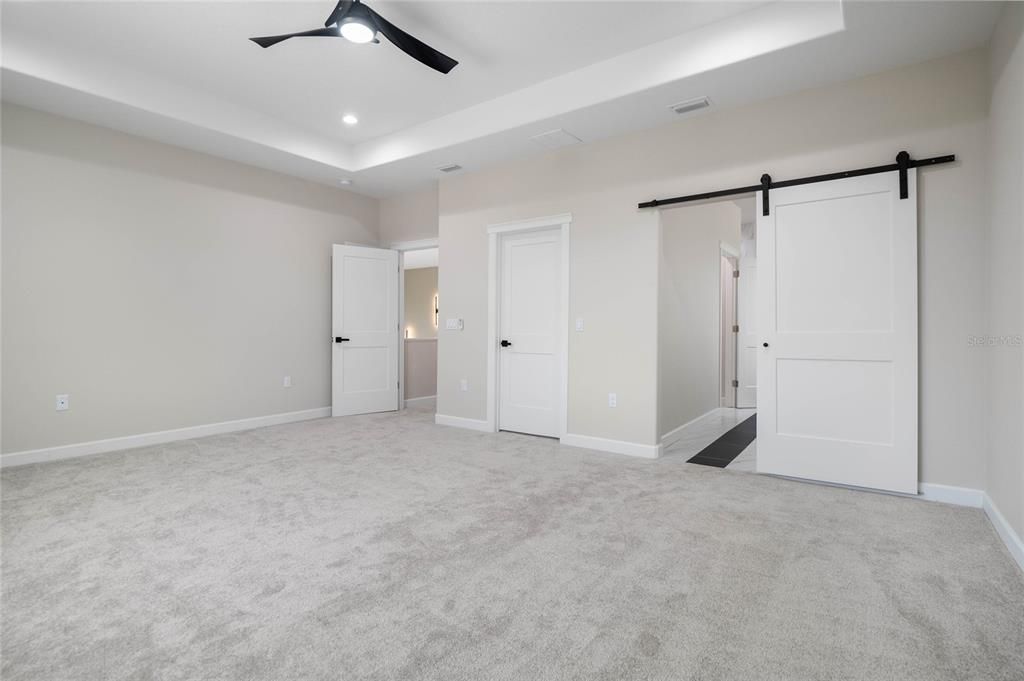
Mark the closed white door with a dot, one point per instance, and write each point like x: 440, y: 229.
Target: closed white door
x: 746, y: 362
x: 837, y: 370
x: 364, y: 373
x: 529, y: 309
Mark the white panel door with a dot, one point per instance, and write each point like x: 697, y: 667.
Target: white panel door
x: 529, y: 364
x: 837, y: 370
x: 364, y: 373
x: 746, y: 304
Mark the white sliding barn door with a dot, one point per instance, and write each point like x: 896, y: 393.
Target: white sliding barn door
x: 529, y: 359
x: 364, y: 367
x: 837, y: 366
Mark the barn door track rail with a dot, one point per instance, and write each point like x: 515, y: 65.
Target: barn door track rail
x: 902, y: 165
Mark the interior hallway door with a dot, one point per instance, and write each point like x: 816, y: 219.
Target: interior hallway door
x: 364, y: 301
x: 529, y: 357
x: 837, y: 370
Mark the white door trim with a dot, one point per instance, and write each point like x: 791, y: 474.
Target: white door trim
x: 727, y: 251
x: 494, y: 232
x: 415, y: 245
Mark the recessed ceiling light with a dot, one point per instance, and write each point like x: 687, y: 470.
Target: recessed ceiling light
x: 345, y: 181
x: 349, y: 119
x: 354, y: 30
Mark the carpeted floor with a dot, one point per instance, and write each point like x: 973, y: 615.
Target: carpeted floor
x: 384, y: 547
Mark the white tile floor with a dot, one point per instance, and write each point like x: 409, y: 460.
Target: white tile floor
x: 707, y: 429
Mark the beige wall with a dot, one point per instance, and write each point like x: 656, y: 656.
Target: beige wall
x: 409, y: 217
x: 420, y: 368
x: 1006, y: 395
x: 689, y: 338
x: 160, y: 287
x: 420, y: 289
x: 933, y: 108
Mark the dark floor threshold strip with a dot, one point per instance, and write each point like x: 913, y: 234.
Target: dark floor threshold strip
x: 722, y: 451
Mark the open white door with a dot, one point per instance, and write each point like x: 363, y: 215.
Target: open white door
x: 746, y: 353
x: 837, y: 370
x: 364, y: 367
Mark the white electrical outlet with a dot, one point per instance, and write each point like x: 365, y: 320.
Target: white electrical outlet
x: 463, y: 385
x: 579, y: 323
x: 453, y: 324
x: 287, y: 381
x: 613, y: 400
x: 63, y: 402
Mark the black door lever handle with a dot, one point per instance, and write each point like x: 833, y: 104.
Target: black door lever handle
x: 505, y: 343
x: 339, y: 339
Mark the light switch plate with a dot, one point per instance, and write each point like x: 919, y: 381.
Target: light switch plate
x: 613, y: 400
x: 287, y: 383
x: 453, y: 324
x: 579, y: 323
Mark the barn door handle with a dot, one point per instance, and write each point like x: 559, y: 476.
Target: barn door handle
x: 339, y: 339
x: 506, y: 343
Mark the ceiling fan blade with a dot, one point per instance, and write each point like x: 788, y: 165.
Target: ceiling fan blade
x: 415, y: 48
x: 340, y: 10
x: 267, y: 41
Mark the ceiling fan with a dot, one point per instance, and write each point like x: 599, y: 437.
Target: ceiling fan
x: 356, y: 22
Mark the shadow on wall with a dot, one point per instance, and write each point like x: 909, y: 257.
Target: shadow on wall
x: 52, y: 135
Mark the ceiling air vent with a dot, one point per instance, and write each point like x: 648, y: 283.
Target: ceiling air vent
x: 450, y: 168
x: 556, y: 139
x: 691, y: 105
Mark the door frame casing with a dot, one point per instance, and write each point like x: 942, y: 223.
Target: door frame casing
x: 563, y: 224
x: 729, y: 252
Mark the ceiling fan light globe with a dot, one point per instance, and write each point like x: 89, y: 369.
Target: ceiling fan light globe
x: 356, y: 31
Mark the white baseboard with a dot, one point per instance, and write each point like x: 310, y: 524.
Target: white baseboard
x: 420, y: 399
x: 460, y: 422
x: 672, y: 436
x: 615, y: 446
x: 947, y: 494
x: 160, y: 437
x: 1005, y: 531
x: 976, y: 498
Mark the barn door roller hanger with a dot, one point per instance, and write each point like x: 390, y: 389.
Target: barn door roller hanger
x: 902, y: 165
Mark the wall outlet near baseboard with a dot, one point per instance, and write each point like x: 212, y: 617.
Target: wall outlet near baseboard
x: 63, y: 402
x: 463, y: 385
x: 613, y: 400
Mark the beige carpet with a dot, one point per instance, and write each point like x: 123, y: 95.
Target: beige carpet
x: 384, y: 547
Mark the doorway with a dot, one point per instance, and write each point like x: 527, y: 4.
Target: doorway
x: 528, y: 309
x: 700, y: 326
x: 421, y: 311
x: 419, y: 322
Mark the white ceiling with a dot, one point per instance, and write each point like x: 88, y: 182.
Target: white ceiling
x: 185, y: 72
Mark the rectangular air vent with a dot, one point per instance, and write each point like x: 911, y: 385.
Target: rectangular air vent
x: 450, y: 168
x: 691, y: 105
x: 556, y: 139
